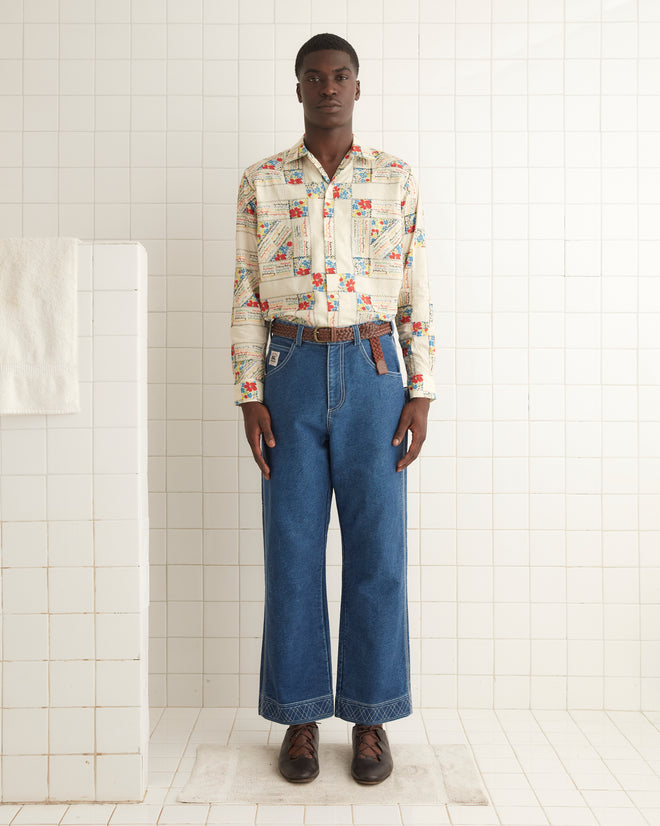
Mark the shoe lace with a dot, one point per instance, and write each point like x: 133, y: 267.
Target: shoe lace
x: 369, y: 742
x: 302, y: 741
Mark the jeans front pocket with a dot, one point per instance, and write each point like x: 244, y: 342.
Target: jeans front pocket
x: 389, y: 354
x: 278, y: 354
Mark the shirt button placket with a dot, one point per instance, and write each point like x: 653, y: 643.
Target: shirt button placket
x: 328, y: 233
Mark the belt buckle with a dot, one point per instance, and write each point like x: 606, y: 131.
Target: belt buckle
x: 315, y: 336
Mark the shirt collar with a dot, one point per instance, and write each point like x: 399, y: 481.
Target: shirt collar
x: 299, y: 150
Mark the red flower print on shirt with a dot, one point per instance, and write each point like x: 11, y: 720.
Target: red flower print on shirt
x: 317, y: 279
x: 350, y: 285
x: 335, y: 192
x: 363, y: 203
x: 302, y: 271
x: 295, y: 212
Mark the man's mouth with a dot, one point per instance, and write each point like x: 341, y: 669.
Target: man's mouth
x: 329, y: 106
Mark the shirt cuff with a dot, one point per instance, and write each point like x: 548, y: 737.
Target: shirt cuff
x: 249, y: 391
x: 422, y: 394
x: 420, y: 387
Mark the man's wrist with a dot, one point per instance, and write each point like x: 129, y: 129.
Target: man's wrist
x: 422, y: 402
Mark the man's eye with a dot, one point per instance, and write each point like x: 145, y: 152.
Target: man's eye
x: 342, y: 77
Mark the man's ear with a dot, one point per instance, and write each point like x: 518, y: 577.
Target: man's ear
x: 298, y: 92
x: 357, y: 90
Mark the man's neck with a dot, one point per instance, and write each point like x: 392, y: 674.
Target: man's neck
x: 329, y: 146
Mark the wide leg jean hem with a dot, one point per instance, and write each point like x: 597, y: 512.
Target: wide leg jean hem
x: 372, y: 715
x: 293, y: 713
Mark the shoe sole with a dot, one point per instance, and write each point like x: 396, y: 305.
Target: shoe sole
x: 369, y: 782
x: 305, y: 780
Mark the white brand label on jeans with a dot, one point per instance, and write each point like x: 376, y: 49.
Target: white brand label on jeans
x: 274, y: 358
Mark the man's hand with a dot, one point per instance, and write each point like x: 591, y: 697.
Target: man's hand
x: 256, y: 419
x: 413, y: 418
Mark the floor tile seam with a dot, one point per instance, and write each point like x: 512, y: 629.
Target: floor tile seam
x: 648, y: 717
x: 526, y: 773
x: 156, y: 723
x: 632, y: 742
x: 571, y: 772
x: 641, y: 755
x: 469, y: 745
x: 233, y: 727
x: 23, y: 806
x: 191, y: 729
x: 426, y: 730
x: 614, y: 777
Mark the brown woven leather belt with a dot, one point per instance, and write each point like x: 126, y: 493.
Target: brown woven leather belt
x: 370, y: 330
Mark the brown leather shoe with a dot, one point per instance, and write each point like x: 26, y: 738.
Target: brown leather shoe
x: 298, y: 761
x: 372, y: 758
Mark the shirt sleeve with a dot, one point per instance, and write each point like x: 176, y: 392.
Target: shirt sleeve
x: 414, y: 319
x: 248, y: 329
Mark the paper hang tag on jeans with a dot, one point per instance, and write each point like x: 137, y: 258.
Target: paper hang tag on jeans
x: 274, y: 358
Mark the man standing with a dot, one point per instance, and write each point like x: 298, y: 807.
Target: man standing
x: 330, y: 261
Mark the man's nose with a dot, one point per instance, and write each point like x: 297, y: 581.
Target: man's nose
x: 328, y: 87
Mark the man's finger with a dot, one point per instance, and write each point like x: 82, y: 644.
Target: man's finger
x: 257, y: 423
x: 411, y: 455
x: 402, y: 427
x: 254, y: 440
x: 259, y: 459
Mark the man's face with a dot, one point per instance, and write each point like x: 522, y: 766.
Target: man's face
x: 328, y: 89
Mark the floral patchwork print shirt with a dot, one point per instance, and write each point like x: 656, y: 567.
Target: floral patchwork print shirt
x: 327, y: 253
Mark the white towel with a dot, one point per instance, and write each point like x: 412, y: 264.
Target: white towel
x: 39, y: 325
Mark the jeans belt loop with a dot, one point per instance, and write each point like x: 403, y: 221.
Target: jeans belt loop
x: 377, y: 353
x: 356, y: 334
x: 299, y: 335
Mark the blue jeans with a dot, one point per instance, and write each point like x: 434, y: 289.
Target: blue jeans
x: 333, y: 419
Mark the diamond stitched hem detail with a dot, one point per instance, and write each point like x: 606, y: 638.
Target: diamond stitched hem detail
x: 372, y: 715
x: 296, y: 712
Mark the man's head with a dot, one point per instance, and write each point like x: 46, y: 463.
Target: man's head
x: 324, y: 42
x: 327, y: 68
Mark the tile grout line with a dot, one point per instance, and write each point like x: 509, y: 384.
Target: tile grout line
x: 551, y: 744
x: 585, y: 733
x: 470, y: 746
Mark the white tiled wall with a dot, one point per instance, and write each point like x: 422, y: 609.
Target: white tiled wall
x: 73, y: 551
x: 533, y: 125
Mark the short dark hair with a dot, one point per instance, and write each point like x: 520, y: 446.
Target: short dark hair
x: 324, y: 41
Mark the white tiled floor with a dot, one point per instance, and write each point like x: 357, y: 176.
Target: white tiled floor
x: 556, y: 768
